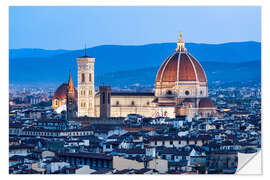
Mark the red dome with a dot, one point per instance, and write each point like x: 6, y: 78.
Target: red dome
x: 181, y: 66
x: 206, y: 103
x: 61, y: 92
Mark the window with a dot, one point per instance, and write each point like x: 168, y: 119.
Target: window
x: 109, y: 98
x: 187, y: 93
x: 90, y: 78
x: 88, y: 162
x: 169, y: 92
x: 99, y: 163
x: 179, y: 142
x: 132, y: 103
x: 94, y: 162
x: 83, y: 104
x: 148, y: 103
x: 103, y: 97
x: 117, y: 103
x: 105, y: 163
x: 83, y: 78
x: 82, y: 92
x: 171, y: 142
x: 201, y: 92
x: 90, y: 92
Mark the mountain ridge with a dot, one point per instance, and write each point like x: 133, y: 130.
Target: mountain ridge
x: 52, y: 66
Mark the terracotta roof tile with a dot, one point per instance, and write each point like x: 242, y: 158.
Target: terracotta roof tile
x: 185, y: 68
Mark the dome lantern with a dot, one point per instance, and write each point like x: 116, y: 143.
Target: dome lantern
x: 181, y: 44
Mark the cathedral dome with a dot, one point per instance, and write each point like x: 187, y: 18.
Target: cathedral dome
x: 61, y: 92
x: 206, y: 103
x: 180, y: 66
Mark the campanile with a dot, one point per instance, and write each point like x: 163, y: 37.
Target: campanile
x: 86, y: 86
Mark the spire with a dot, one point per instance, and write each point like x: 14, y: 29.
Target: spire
x: 85, y: 54
x: 70, y: 83
x: 181, y: 44
x: 85, y: 51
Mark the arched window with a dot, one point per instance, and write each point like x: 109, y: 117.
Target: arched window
x: 117, y: 103
x: 132, y: 103
x: 169, y: 92
x: 83, y: 104
x: 90, y: 77
x: 83, y: 78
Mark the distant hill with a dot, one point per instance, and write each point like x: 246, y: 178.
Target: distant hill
x: 52, y: 66
x: 30, y: 53
x: 215, y: 71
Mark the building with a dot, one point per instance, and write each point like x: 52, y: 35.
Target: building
x: 86, y: 86
x: 61, y: 93
x: 180, y: 89
x: 121, y: 163
x: 93, y: 160
x: 71, y: 103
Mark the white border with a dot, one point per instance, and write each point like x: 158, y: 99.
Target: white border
x: 4, y: 70
x: 137, y: 2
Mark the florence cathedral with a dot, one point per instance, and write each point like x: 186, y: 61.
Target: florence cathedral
x: 180, y: 89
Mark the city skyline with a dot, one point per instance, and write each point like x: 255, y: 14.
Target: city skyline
x: 46, y: 28
x: 168, y: 108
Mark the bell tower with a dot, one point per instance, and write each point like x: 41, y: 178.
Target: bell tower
x: 86, y: 85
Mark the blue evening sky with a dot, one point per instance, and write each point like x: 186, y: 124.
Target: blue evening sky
x: 72, y: 27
